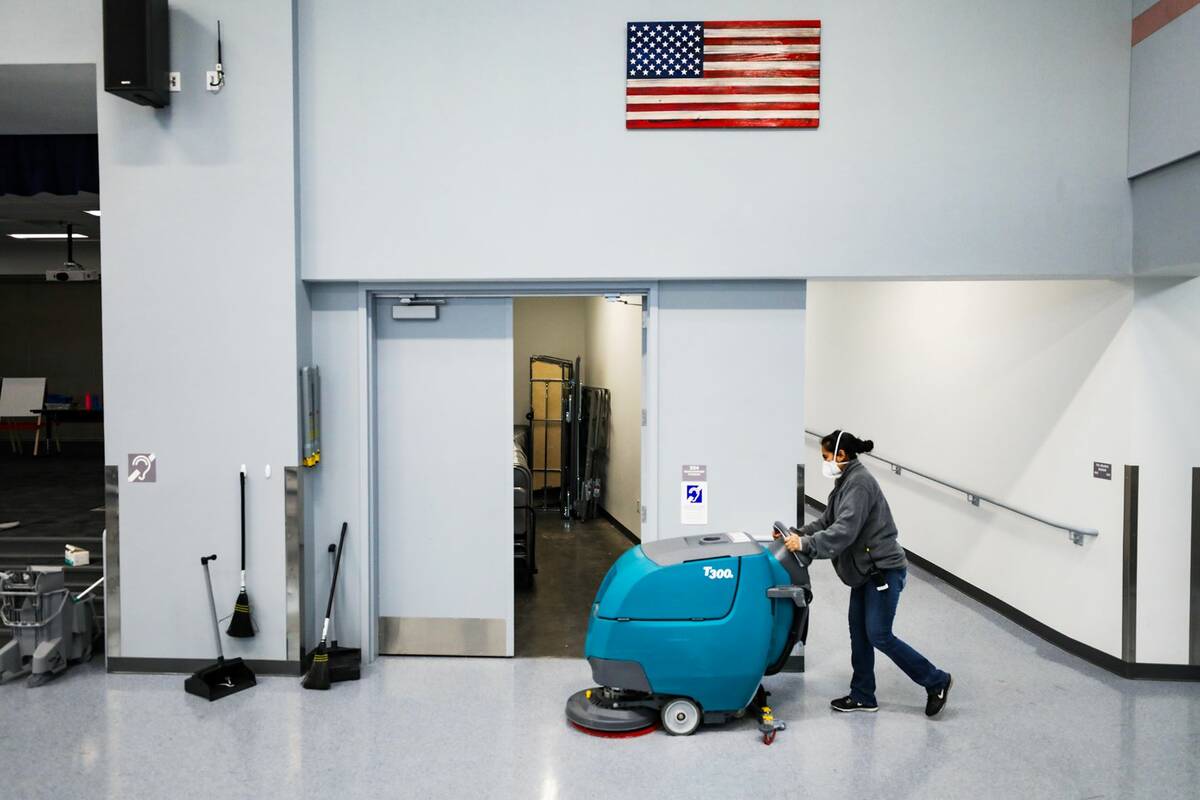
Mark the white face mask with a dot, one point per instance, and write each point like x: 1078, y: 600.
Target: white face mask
x: 831, y: 469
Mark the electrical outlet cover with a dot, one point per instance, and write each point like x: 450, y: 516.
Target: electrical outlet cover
x: 176, y: 81
x: 212, y: 81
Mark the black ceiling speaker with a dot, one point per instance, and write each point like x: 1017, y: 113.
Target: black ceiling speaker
x: 137, y: 51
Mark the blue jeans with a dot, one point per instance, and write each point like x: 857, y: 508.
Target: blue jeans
x: 871, y: 615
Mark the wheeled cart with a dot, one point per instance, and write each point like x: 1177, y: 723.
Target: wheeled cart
x: 50, y: 629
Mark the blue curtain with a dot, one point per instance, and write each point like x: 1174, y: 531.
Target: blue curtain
x: 54, y: 163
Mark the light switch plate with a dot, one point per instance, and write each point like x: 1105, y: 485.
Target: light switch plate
x: 176, y: 81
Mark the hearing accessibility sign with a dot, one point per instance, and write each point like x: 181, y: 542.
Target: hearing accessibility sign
x: 143, y: 468
x: 693, y: 495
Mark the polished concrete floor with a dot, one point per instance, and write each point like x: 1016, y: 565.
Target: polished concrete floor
x: 551, y: 615
x: 1025, y: 721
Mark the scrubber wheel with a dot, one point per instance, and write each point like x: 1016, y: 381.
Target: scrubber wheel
x: 681, y: 717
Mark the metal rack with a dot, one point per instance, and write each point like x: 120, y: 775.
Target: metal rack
x: 551, y: 392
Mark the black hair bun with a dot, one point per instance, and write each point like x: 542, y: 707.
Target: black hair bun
x: 866, y: 446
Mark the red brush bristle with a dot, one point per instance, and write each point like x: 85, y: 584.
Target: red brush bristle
x: 614, y: 734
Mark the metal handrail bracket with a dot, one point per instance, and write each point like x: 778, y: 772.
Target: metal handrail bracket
x: 1074, y: 532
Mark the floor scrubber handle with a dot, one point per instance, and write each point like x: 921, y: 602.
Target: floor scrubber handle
x: 213, y: 605
x: 781, y: 531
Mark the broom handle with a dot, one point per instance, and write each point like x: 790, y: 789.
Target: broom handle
x: 213, y: 605
x: 242, y: 475
x: 333, y: 556
x: 337, y: 565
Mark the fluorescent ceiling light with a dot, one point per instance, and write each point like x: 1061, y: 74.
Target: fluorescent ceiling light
x: 95, y: 213
x: 46, y: 236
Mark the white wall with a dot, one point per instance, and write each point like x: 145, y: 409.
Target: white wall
x: 614, y: 362
x: 982, y: 139
x: 1013, y: 390
x: 544, y: 326
x: 1164, y: 373
x: 200, y: 328
x: 731, y: 375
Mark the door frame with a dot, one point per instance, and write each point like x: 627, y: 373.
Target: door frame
x: 368, y: 293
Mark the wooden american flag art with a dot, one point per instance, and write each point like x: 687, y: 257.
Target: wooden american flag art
x: 756, y: 74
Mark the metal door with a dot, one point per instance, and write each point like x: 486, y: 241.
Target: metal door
x: 444, y: 479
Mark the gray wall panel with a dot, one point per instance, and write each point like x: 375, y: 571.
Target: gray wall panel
x: 971, y: 139
x: 731, y: 397
x: 200, y: 329
x: 1164, y: 95
x: 1166, y: 207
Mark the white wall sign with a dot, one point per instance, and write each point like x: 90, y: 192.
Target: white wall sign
x: 693, y: 495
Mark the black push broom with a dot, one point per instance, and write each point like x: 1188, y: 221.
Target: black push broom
x: 318, y: 675
x: 345, y: 663
x: 240, y: 624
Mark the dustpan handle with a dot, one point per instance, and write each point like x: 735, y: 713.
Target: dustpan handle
x: 213, y: 605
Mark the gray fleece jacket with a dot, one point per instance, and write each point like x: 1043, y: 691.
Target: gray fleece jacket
x: 856, y: 529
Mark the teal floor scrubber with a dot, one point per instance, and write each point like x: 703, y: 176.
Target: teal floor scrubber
x: 683, y: 630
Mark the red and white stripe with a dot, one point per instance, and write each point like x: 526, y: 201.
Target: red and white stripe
x: 764, y: 74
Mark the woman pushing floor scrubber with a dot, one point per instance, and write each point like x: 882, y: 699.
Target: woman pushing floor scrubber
x: 857, y: 533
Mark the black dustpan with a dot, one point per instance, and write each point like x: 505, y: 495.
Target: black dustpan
x: 221, y: 679
x: 331, y: 663
x: 345, y: 663
x: 226, y: 676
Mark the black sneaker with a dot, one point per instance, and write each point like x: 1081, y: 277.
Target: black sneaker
x: 848, y: 703
x: 937, y: 700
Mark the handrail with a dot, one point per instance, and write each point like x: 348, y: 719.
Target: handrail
x: 1075, y: 532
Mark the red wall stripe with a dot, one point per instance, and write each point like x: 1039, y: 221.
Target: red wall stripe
x: 1158, y: 16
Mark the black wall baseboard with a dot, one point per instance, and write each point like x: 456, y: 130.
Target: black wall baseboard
x: 186, y: 666
x: 1162, y: 672
x: 616, y: 523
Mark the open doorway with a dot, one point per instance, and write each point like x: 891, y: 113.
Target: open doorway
x: 446, y: 386
x: 577, y: 460
x: 51, y: 417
